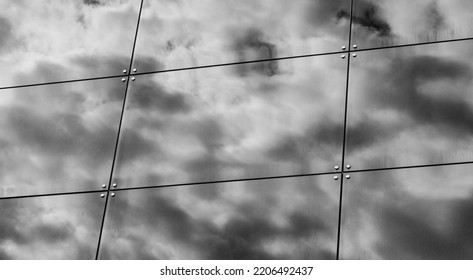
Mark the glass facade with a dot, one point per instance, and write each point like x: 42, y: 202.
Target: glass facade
x: 288, y: 218
x: 232, y: 122
x: 253, y: 129
x: 418, y: 213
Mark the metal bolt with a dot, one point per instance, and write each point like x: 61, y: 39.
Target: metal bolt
x: 112, y: 194
x: 344, y: 47
x: 335, y: 178
x: 348, y: 166
x: 337, y: 167
x: 355, y: 46
x: 132, y: 78
x: 114, y: 185
x: 124, y: 71
x: 104, y: 186
x: 343, y: 56
x: 348, y: 176
x: 102, y: 195
x: 134, y: 69
x: 354, y: 55
x: 123, y: 79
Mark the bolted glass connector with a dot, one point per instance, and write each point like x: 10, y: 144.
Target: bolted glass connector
x: 123, y: 80
x: 348, y: 166
x: 112, y: 194
x: 104, y: 186
x: 348, y: 176
x: 355, y: 55
x: 134, y: 70
x: 132, y: 78
x: 124, y: 71
x: 114, y: 185
x: 344, y: 47
x: 335, y: 178
x: 355, y: 46
x: 343, y: 56
x: 102, y: 195
x: 336, y: 167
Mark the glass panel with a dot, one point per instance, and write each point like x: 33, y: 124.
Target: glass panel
x: 44, y: 41
x: 58, y: 138
x: 411, y: 106
x: 420, y: 213
x: 176, y: 34
x: 241, y: 121
x: 291, y: 218
x: 51, y: 227
x: 381, y: 23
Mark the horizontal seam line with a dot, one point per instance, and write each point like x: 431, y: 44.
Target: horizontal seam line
x: 409, y: 167
x: 411, y: 45
x: 243, y: 180
x: 64, y: 82
x: 231, y: 181
x: 52, y: 194
x: 296, y: 176
x: 237, y: 63
x: 170, y: 70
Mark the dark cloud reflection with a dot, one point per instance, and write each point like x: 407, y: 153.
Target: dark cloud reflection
x: 368, y: 17
x: 379, y: 23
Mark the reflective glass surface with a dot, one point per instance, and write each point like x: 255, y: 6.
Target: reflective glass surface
x: 411, y: 106
x: 292, y: 218
x: 380, y: 23
x: 419, y: 213
x: 242, y: 121
x: 45, y: 41
x: 177, y: 34
x: 54, y: 227
x: 58, y: 138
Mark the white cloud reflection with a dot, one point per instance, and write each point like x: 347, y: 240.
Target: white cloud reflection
x: 65, y: 39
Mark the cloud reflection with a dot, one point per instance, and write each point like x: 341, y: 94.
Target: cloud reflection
x: 270, y: 219
x: 56, y: 227
x: 408, y: 214
x: 195, y: 33
x: 410, y: 106
x: 58, y: 138
x: 65, y: 40
x: 219, y: 124
x: 379, y: 23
